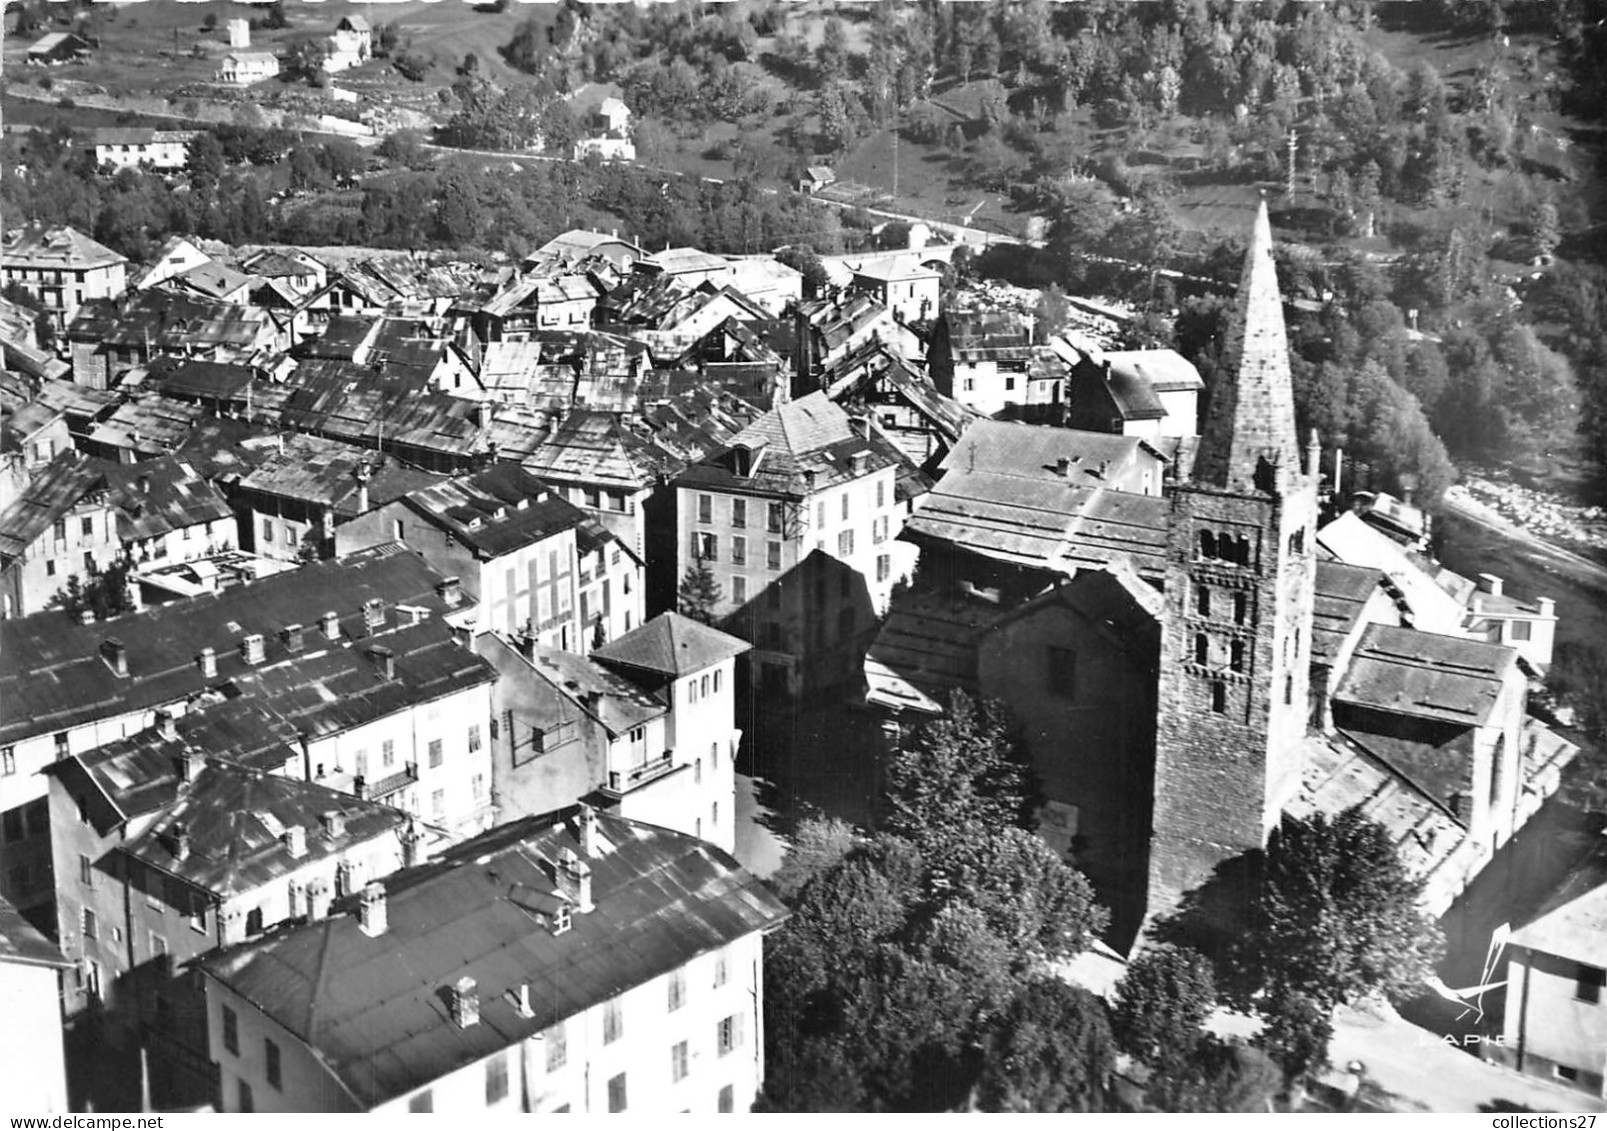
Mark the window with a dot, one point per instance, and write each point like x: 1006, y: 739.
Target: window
x: 1565, y: 1072
x: 705, y: 508
x: 884, y: 567
x: 691, y: 690
x: 438, y: 804
x: 271, y: 1052
x: 845, y: 544
x: 1219, y: 698
x: 557, y: 1041
x: 267, y: 530
x: 423, y: 1102
x: 86, y: 871
x: 717, y: 682
x: 703, y: 688
x: 722, y: 970
x: 1588, y: 982
x: 772, y: 521
x: 61, y: 530
x: 158, y: 945
x: 714, y: 814
x: 396, y: 530
x: 592, y: 497
x: 435, y: 752
x: 616, y: 1093
x: 1236, y: 655
x: 706, y: 547
x: 697, y: 774
x: 387, y: 753
x: 1202, y: 649
x: 881, y: 493
x: 474, y: 737
x: 739, y: 590
x: 772, y: 555
x: 91, y: 927
x: 1241, y: 608
x: 50, y: 567
x: 677, y: 984
x: 247, y: 1100
x: 89, y: 527
x: 231, y: 1031
x: 728, y: 1034
x: 739, y: 513
x: 89, y: 561
x: 678, y: 1062
x: 613, y: 1022
x: 1063, y: 672
x: 739, y: 551
x: 820, y: 514
x: 1202, y: 601
x: 845, y: 506
x: 1521, y: 630
x: 254, y: 921
x: 477, y: 786
x: 12, y: 825
x: 727, y: 1099
x: 496, y: 1078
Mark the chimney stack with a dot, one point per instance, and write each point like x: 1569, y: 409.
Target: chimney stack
x: 334, y: 824
x: 1491, y: 584
x: 586, y: 822
x: 362, y: 475
x: 115, y: 653
x: 450, y: 590
x: 295, y: 840
x: 384, y: 661
x: 291, y: 635
x: 191, y: 763
x: 520, y: 999
x: 329, y: 625
x: 166, y: 726
x: 180, y: 836
x: 371, y: 915
x: 414, y: 849
x: 317, y: 900
x: 465, y: 1002
x: 253, y: 649
x: 583, y: 903
x: 1063, y: 467
x: 1548, y: 607
x: 482, y: 412
x: 374, y: 613
x: 207, y: 661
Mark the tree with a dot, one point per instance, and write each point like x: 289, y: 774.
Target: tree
x: 305, y: 60
x: 1296, y: 1033
x: 205, y: 162
x: 803, y: 259
x: 699, y: 593
x: 1050, y: 1050
x: 1216, y: 1077
x: 961, y: 770
x: 1337, y: 916
x: 832, y: 55
x: 1161, y: 1002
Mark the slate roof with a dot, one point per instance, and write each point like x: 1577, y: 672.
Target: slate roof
x: 36, y: 246
x: 1572, y: 924
x: 616, y: 703
x: 205, y: 381
x: 148, y: 426
x: 1031, y: 451
x: 53, y: 493
x: 156, y: 496
x: 323, y: 472
x: 925, y: 649
x: 214, y: 280
x: 1351, y: 540
x: 496, y: 511
x: 1341, y: 593
x: 167, y: 321
x: 1160, y: 370
x: 22, y: 945
x: 371, y: 1009
x: 800, y: 447
x: 236, y: 818
x: 1426, y: 675
x: 671, y: 645
x: 53, y: 676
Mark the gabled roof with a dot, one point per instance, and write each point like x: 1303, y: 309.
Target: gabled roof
x: 59, y: 487
x: 598, y: 447
x: 1341, y: 594
x: 22, y: 945
x: 1572, y: 924
x: 215, y: 280
x: 157, y: 496
x: 1425, y: 675
x: 1427, y: 604
x: 616, y: 703
x: 57, y: 247
x: 671, y: 645
x: 496, y: 511
x: 661, y: 900
x: 321, y: 472
x: 926, y: 649
x: 1031, y: 451
x: 1161, y: 370
x: 236, y: 818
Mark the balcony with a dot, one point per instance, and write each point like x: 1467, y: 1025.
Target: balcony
x: 623, y: 781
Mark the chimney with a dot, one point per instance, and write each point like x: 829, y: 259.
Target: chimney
x: 115, y: 653
x: 295, y: 841
x: 191, y: 763
x: 166, y: 726
x: 374, y: 613
x: 317, y: 900
x: 450, y: 590
x: 360, y: 787
x: 207, y: 661
x: 253, y: 648
x: 1063, y: 467
x: 371, y: 917
x: 1313, y: 455
x: 465, y: 1002
x: 179, y: 835
x: 482, y: 414
x: 415, y: 850
x: 384, y: 661
x: 858, y: 462
x: 583, y: 903
x: 362, y: 473
x: 587, y: 832
x: 329, y: 625
x: 132, y: 596
x: 291, y: 634
x: 334, y: 822
x: 860, y: 426
x: 1490, y: 583
x: 1339, y: 464
x: 1548, y: 607
x: 520, y: 1000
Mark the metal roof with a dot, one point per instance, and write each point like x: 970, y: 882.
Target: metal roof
x: 372, y: 1009
x: 57, y: 488
x: 498, y: 510
x: 1341, y: 594
x: 1406, y: 672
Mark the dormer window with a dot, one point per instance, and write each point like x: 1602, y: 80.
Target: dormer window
x: 561, y: 919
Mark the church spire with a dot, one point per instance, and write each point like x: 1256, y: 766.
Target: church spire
x: 1249, y: 443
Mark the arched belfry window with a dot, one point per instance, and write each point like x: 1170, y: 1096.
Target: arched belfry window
x: 1207, y: 544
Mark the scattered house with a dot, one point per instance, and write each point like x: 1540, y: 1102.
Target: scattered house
x: 535, y: 303
x: 1148, y: 393
x: 817, y: 177
x: 1530, y: 627
x: 986, y: 360
x: 176, y: 256
x: 796, y: 519
x: 903, y: 284
x: 302, y: 273
x: 58, y: 47
x: 828, y: 329
x: 767, y: 282
x: 517, y: 545
x: 242, y: 68
x: 350, y: 46
x: 168, y: 513
x: 577, y: 245
x: 62, y: 528
x: 588, y: 947
x: 687, y: 266
x: 62, y: 269
x: 130, y: 148
x: 215, y: 281
x: 107, y: 339
x: 34, y: 1072
x: 907, y: 407
x: 162, y: 855
x: 608, y: 468
x: 1555, y: 1023
x: 1427, y: 604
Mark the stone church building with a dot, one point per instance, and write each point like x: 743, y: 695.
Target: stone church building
x: 1190, y: 664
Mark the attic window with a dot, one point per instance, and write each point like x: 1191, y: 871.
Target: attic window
x: 561, y: 919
